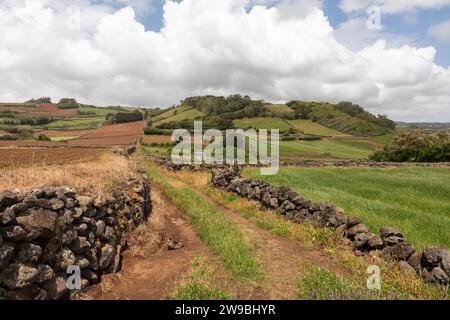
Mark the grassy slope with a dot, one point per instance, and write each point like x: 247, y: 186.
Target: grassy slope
x: 262, y: 123
x: 385, y: 139
x: 414, y: 200
x: 309, y: 127
x: 330, y: 149
x: 279, y: 108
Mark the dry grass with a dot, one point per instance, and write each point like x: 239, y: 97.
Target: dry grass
x: 95, y: 176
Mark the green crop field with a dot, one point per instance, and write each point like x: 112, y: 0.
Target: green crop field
x: 170, y: 113
x: 339, y: 149
x: 310, y: 127
x: 262, y: 123
x: 414, y: 200
x: 76, y: 123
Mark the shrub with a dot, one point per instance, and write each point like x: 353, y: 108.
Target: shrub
x: 416, y: 146
x: 123, y: 117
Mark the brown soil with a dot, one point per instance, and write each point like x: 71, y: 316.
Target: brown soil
x: 150, y: 271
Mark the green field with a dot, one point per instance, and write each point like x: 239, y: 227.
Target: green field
x: 414, y: 200
x: 310, y: 127
x: 262, y: 123
x: 339, y: 149
x: 76, y: 123
x: 64, y: 138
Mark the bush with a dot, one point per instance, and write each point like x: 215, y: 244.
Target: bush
x: 416, y: 146
x: 43, y: 137
x: 67, y: 103
x: 8, y: 137
x: 40, y: 100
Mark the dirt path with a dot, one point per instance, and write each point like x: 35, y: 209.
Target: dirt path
x: 150, y: 271
x: 282, y: 259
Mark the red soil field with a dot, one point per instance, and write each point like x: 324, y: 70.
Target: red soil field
x: 3, y: 133
x: 113, y: 135
x: 157, y: 139
x: 27, y: 157
x: 44, y: 109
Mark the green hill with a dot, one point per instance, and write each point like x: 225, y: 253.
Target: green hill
x: 294, y: 119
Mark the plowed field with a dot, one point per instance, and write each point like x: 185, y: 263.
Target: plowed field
x: 112, y: 135
x: 46, y: 156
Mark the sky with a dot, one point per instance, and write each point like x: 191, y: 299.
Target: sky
x: 154, y: 53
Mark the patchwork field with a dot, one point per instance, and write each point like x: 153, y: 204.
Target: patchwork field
x: 43, y: 109
x: 414, y: 200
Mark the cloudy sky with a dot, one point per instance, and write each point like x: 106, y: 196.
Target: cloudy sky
x: 154, y: 53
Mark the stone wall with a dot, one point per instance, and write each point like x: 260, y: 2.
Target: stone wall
x: 432, y: 263
x: 48, y: 229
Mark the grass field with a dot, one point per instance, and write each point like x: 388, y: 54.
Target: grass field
x: 64, y: 138
x: 98, y: 111
x: 339, y: 149
x: 76, y: 123
x: 414, y: 200
x: 385, y: 139
x: 262, y: 123
x: 181, y: 115
x: 310, y: 127
x: 279, y: 108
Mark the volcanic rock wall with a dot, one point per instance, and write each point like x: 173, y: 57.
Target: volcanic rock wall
x: 432, y: 263
x: 47, y: 230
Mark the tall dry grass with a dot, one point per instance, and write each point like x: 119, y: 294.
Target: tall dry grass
x: 96, y: 176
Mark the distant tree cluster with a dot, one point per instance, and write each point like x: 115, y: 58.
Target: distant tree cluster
x: 417, y: 146
x: 232, y: 107
x: 344, y: 117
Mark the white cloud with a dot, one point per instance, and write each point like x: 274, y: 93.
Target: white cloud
x: 440, y: 31
x: 212, y: 47
x: 392, y: 6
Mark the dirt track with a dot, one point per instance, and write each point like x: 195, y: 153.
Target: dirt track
x: 150, y: 271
